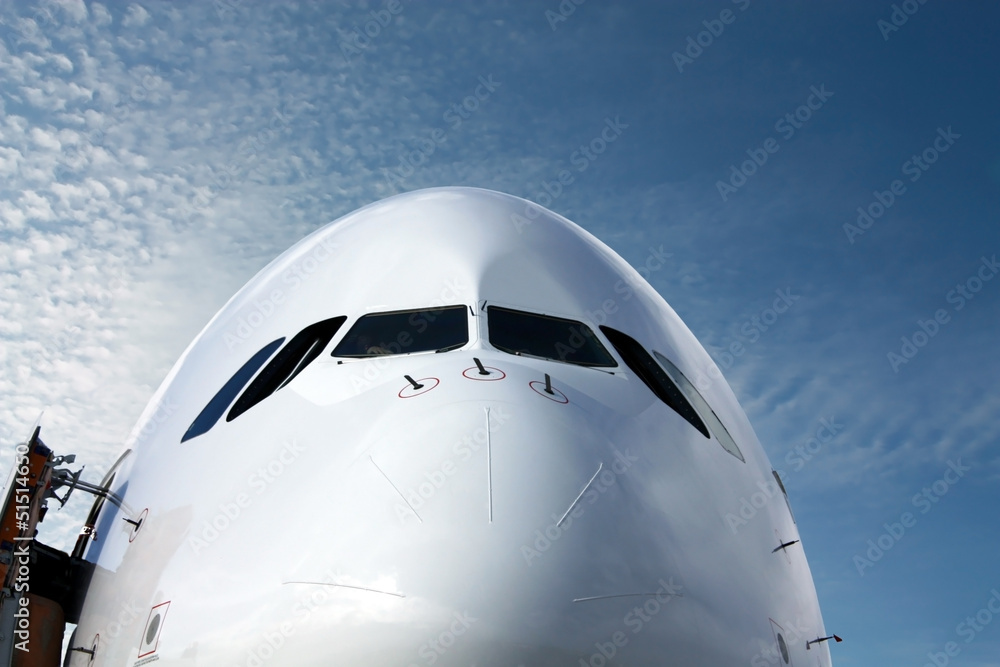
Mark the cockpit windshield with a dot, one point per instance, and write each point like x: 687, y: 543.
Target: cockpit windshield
x: 519, y: 332
x: 406, y: 331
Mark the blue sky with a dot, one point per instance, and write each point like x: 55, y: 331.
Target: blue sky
x: 155, y: 156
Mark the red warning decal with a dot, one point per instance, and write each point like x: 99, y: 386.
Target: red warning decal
x: 151, y: 633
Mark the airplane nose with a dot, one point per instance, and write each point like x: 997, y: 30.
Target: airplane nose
x: 501, y: 541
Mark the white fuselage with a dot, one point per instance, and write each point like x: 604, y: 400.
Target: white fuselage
x: 356, y: 517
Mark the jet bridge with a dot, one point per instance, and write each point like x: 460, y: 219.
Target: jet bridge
x: 43, y: 587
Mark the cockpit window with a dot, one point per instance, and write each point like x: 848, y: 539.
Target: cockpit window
x: 518, y: 332
x: 701, y: 405
x: 217, y: 406
x: 406, y: 331
x: 652, y: 374
x: 781, y: 485
x: 301, y: 351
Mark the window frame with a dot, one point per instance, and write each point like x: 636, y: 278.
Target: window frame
x: 231, y: 390
x: 290, y: 360
x: 700, y: 405
x: 651, y: 373
x: 593, y: 334
x: 469, y: 333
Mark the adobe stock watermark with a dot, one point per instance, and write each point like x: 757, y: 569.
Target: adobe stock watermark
x: 786, y: 126
x: 147, y: 89
x: 603, y: 479
x: 461, y: 452
x: 268, y: 644
x: 362, y: 37
x: 165, y: 408
x: 373, y: 368
x: 230, y: 512
x: 129, y: 614
x: 581, y: 158
x: 432, y: 650
x: 714, y: 28
x: 20, y: 558
x: 636, y: 621
x: 750, y: 506
x: 914, y: 168
x: 898, y: 17
x: 771, y: 655
x: 425, y: 146
x: 245, y: 165
x: 565, y: 9
x: 142, y: 91
x: 895, y: 531
x: 266, y: 306
x: 969, y: 629
x: 654, y: 261
x: 580, y: 336
x: 463, y: 110
x: 752, y: 329
x: 226, y: 9
x: 30, y: 30
x: 271, y: 641
x: 802, y: 454
x: 67, y: 339
x: 963, y: 292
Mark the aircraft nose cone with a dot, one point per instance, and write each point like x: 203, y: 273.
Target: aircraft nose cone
x: 500, y: 542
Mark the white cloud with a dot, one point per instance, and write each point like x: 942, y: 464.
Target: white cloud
x: 44, y: 139
x: 73, y: 10
x: 102, y: 17
x: 136, y: 15
x: 61, y: 62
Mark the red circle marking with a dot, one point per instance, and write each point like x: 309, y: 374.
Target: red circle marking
x: 409, y: 392
x: 474, y: 374
x: 556, y: 395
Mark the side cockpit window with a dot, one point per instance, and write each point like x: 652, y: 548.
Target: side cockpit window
x: 781, y: 485
x: 701, y: 405
x: 673, y: 388
x: 300, y: 351
x: 547, y: 337
x: 289, y: 362
x: 652, y: 374
x: 217, y: 406
x: 406, y: 331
